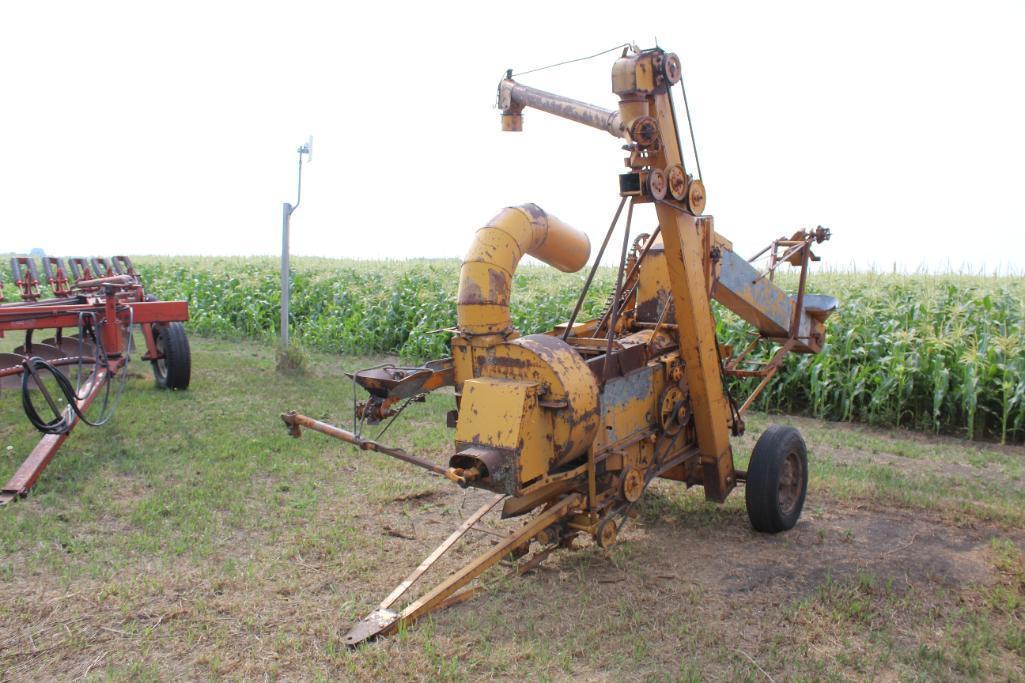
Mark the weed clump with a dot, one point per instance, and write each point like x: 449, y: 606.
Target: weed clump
x: 292, y: 360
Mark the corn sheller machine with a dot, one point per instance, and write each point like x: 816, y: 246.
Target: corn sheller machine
x: 569, y: 428
x: 100, y: 302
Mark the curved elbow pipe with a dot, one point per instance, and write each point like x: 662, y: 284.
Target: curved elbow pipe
x: 485, y: 279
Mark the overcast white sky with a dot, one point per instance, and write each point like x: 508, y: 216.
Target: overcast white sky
x: 172, y: 127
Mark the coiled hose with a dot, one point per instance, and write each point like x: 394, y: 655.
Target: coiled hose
x: 62, y: 421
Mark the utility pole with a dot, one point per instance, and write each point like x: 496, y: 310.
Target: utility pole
x: 286, y: 215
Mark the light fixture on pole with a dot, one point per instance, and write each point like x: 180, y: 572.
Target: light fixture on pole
x: 286, y: 215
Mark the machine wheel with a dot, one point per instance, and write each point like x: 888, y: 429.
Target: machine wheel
x: 605, y: 534
x: 633, y: 485
x: 174, y: 370
x: 777, y: 480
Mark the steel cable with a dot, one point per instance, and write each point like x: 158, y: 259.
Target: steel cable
x: 571, y: 61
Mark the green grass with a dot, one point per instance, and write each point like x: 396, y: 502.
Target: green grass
x: 192, y: 538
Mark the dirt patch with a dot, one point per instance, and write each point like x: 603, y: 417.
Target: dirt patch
x: 838, y: 542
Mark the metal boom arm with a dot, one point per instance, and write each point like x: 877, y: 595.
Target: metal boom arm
x: 701, y: 263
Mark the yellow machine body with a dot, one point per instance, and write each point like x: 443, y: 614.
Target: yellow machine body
x: 532, y: 406
x: 576, y: 422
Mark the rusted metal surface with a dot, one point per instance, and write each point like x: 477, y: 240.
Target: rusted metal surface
x: 30, y: 470
x: 388, y: 384
x: 573, y: 425
x: 392, y: 382
x: 513, y: 97
x: 774, y: 313
x: 485, y: 277
x: 294, y: 421
x: 102, y: 300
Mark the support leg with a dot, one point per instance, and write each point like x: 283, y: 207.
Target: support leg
x: 383, y: 621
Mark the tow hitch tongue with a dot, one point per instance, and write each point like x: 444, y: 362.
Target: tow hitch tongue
x: 294, y: 421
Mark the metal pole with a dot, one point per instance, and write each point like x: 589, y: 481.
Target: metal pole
x: 286, y: 214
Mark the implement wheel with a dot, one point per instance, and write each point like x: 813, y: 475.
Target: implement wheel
x: 174, y: 370
x: 777, y: 480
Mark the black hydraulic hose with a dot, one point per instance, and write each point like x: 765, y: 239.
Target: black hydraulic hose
x: 60, y: 424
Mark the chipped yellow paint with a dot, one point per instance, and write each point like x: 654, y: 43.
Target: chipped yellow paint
x: 653, y: 286
x: 629, y: 404
x: 492, y: 412
x: 567, y: 384
x: 504, y: 414
x: 485, y: 278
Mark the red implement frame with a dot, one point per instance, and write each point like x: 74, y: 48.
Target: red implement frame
x: 112, y: 304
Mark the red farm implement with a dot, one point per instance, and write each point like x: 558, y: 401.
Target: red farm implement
x: 88, y: 323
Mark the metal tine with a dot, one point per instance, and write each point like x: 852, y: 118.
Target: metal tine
x: 57, y: 275
x: 26, y: 277
x: 48, y: 266
x: 80, y: 268
x: 123, y: 266
x: 101, y: 266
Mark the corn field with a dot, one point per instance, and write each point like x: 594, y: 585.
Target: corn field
x: 943, y: 353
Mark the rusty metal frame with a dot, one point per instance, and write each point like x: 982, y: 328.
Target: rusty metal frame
x: 768, y: 370
x: 30, y: 470
x: 105, y: 307
x: 294, y: 421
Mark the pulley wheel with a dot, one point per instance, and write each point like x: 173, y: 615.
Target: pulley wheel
x: 644, y: 131
x: 671, y: 68
x: 669, y: 408
x: 696, y: 197
x: 678, y: 182
x: 633, y: 485
x: 605, y: 534
x: 657, y: 184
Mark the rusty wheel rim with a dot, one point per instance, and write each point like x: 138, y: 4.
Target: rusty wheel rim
x: 607, y: 534
x: 158, y: 341
x: 790, y: 479
x: 633, y: 485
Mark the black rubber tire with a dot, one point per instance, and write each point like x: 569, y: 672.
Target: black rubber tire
x: 770, y: 511
x: 176, y: 370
